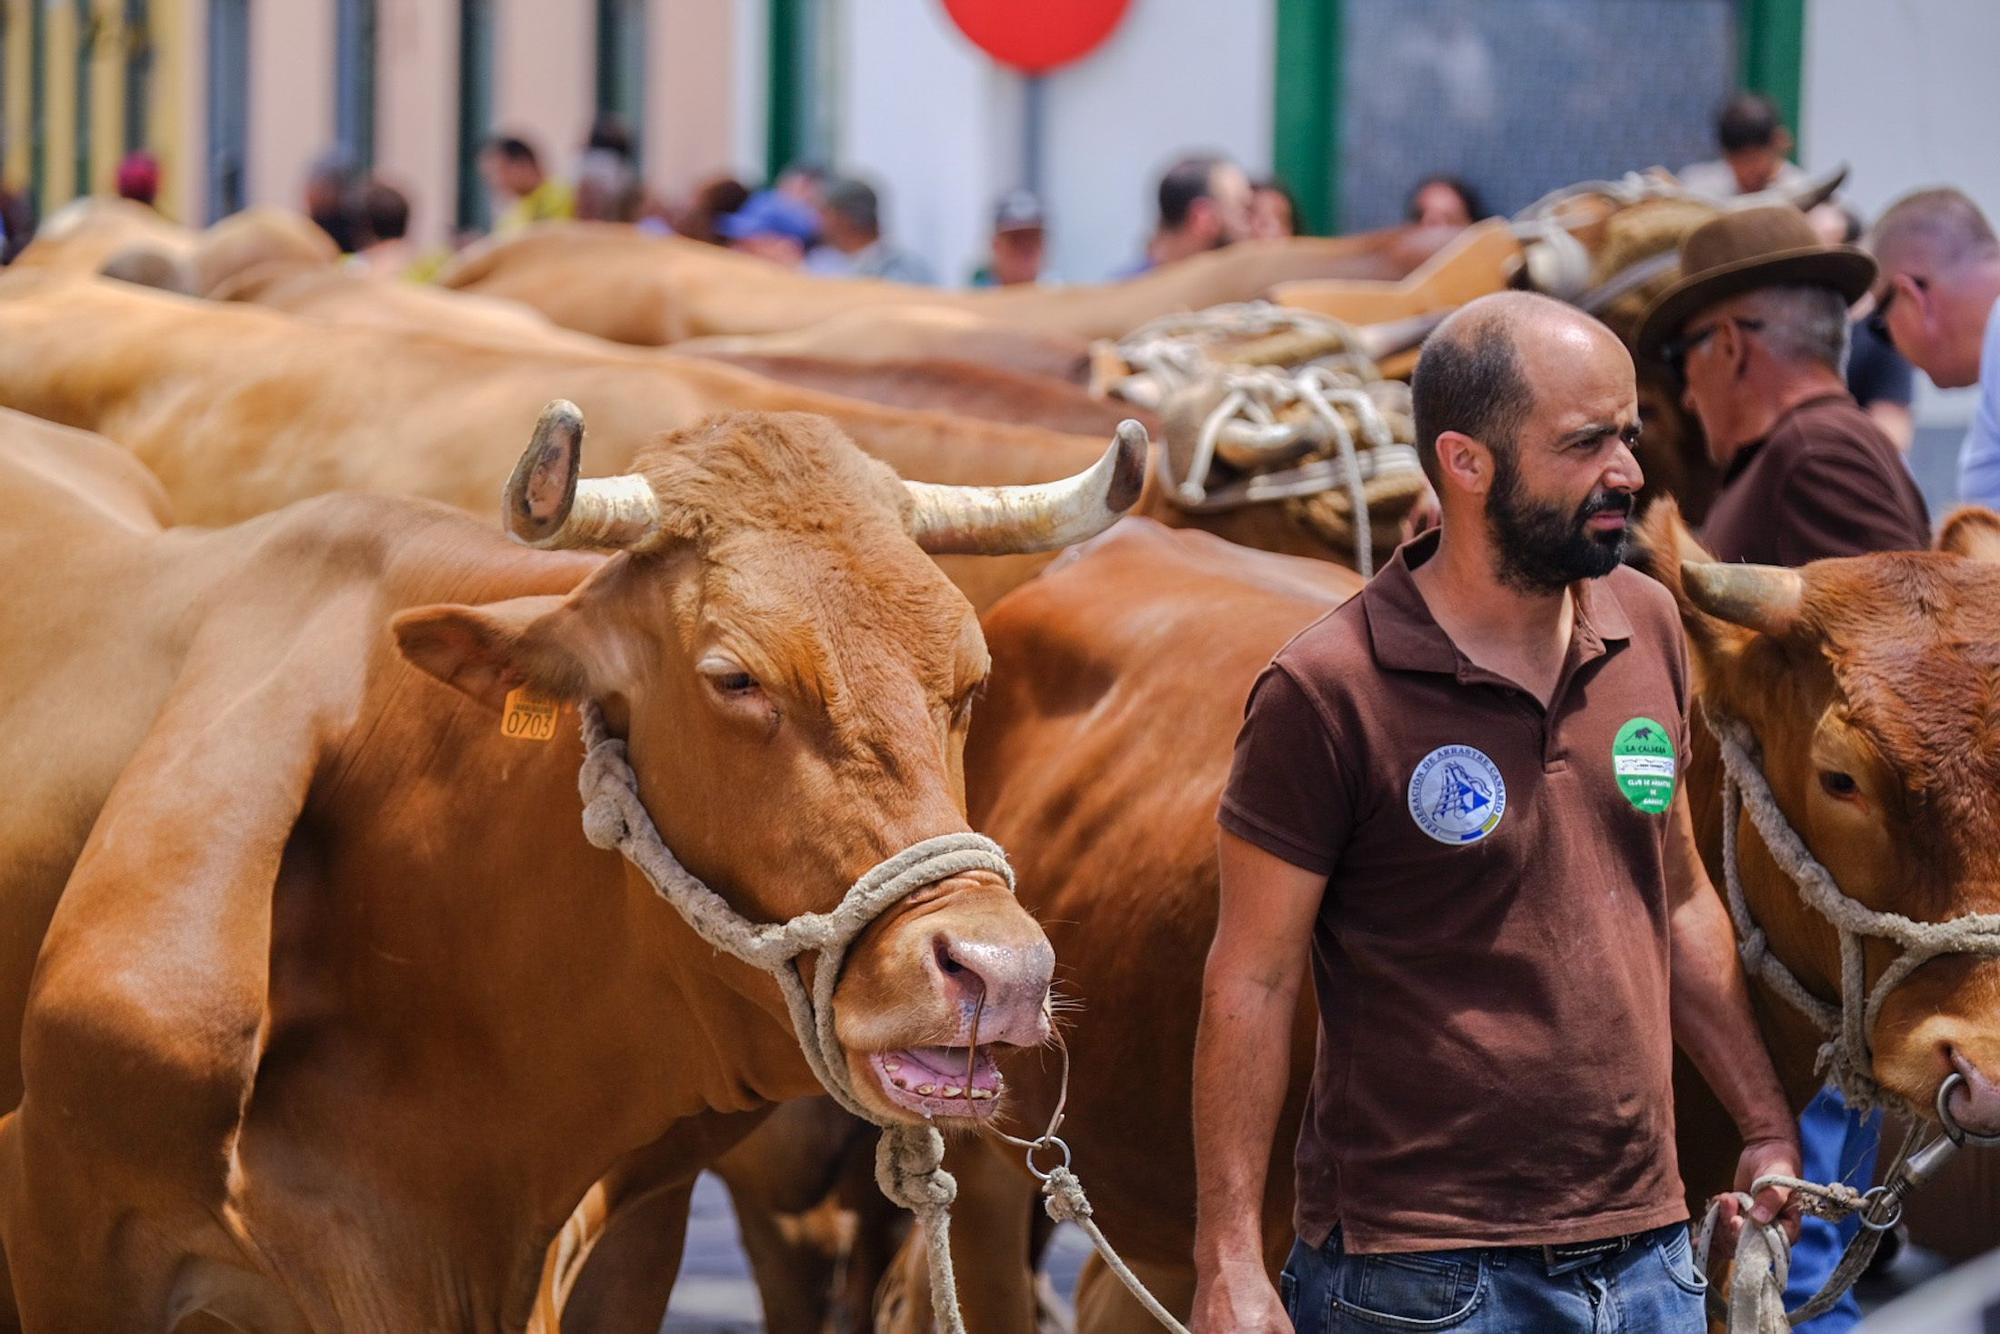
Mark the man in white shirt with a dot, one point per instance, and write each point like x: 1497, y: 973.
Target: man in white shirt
x: 1754, y: 143
x: 1936, y: 301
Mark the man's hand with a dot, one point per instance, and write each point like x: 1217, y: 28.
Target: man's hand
x: 1238, y: 1299
x: 1770, y: 1155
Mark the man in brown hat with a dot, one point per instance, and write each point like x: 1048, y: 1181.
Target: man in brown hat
x: 1756, y: 329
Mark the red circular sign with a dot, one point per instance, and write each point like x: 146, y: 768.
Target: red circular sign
x: 1036, y: 36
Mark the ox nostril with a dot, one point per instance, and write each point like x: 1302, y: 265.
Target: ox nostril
x: 952, y: 967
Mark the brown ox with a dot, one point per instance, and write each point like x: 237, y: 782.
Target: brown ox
x: 240, y: 410
x: 130, y: 241
x: 618, y: 283
x: 334, y: 1015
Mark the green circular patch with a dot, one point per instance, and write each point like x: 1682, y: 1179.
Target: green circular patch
x: 1642, y: 758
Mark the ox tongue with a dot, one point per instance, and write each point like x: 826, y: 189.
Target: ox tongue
x: 949, y: 1064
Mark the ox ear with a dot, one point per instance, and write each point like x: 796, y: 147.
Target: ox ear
x: 485, y: 652
x: 1972, y: 532
x: 1668, y: 551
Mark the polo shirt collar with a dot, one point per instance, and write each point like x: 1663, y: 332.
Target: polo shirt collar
x: 1406, y: 637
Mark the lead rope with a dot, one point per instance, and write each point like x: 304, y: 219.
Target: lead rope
x: 909, y: 1160
x: 1763, y: 1255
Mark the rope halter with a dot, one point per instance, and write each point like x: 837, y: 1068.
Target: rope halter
x: 1763, y: 1255
x: 909, y: 1162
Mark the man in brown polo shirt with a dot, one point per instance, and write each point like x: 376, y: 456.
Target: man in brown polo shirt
x: 1757, y: 330
x: 1458, y: 795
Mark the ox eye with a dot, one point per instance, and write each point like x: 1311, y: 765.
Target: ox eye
x: 1839, y: 785
x: 728, y: 678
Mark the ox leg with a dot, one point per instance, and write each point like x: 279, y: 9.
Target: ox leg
x: 1103, y: 1306
x: 624, y: 1243
x: 146, y: 1019
x: 992, y: 1240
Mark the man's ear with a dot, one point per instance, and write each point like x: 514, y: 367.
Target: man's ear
x: 485, y: 652
x: 1465, y: 463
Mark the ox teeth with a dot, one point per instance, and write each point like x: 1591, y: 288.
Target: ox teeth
x: 925, y: 1090
x: 891, y: 1064
x: 979, y: 1094
x: 953, y: 1091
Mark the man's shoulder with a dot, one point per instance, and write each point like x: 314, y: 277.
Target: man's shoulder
x: 1326, y: 655
x: 1831, y: 429
x: 1645, y: 600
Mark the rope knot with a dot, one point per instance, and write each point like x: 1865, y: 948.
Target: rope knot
x: 909, y: 1169
x: 1065, y: 1200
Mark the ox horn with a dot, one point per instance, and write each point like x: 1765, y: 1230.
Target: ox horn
x: 1808, y: 194
x: 1002, y: 520
x: 545, y: 505
x: 1764, y: 598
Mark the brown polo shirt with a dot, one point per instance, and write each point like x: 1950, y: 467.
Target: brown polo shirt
x: 1825, y: 482
x: 1491, y: 952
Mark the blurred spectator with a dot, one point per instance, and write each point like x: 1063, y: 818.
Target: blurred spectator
x: 606, y: 188
x: 332, y: 197
x: 1881, y: 381
x: 771, y: 226
x: 805, y: 182
x: 1274, y: 214
x: 851, y: 228
x: 1204, y: 205
x: 1754, y: 142
x: 139, y: 177
x: 1020, y: 234
x: 610, y: 133
x: 387, y: 250
x: 513, y: 172
x: 1937, y: 302
x: 17, y: 223
x: 1444, y: 201
x: 713, y: 200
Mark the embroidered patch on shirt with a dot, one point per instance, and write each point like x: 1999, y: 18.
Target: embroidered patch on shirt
x: 1457, y: 795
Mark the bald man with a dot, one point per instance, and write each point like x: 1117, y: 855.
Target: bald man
x: 1937, y: 301
x: 1457, y: 797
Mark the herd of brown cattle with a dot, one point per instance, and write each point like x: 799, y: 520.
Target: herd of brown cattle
x: 328, y: 1018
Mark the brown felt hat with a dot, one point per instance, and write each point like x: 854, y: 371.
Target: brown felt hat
x: 1768, y: 246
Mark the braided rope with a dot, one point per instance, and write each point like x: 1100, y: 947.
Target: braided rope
x: 909, y: 1161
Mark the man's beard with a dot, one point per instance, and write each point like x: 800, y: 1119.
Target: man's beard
x: 1541, y: 549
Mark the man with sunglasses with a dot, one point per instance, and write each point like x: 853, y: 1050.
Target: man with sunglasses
x: 1936, y: 301
x: 1756, y: 331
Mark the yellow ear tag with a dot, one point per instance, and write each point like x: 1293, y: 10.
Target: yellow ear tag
x: 529, y: 715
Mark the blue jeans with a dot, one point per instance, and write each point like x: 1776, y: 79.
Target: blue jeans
x: 1649, y: 1288
x: 1839, y: 1145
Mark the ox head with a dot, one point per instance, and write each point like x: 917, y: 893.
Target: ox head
x: 794, y: 679
x: 1870, y: 685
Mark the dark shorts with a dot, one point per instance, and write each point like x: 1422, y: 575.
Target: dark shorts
x: 1649, y: 1287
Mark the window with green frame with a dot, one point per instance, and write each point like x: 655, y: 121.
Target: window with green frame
x: 621, y: 65
x: 38, y: 105
x: 228, y: 106
x: 802, y: 82
x: 475, y: 109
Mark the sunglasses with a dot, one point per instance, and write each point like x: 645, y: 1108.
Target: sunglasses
x: 1675, y: 351
x: 1878, y: 318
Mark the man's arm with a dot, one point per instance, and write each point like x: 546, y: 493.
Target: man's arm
x: 1242, y: 1065
x: 1713, y: 1023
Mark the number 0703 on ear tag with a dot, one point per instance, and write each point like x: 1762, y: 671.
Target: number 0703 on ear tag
x: 529, y: 715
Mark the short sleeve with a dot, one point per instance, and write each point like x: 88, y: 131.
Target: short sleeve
x: 1286, y: 791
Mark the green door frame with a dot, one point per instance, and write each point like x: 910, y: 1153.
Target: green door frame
x: 1771, y: 55
x: 1305, y: 111
x: 1306, y: 89
x: 785, y: 83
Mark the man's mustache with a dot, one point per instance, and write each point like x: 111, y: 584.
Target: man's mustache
x: 1602, y: 501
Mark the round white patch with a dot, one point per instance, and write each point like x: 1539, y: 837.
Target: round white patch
x: 1457, y: 795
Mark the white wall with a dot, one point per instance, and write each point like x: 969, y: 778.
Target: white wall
x: 1904, y: 92
x: 929, y: 116
x: 1177, y: 75
x: 926, y: 116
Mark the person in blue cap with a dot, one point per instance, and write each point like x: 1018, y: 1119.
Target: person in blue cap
x: 772, y: 226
